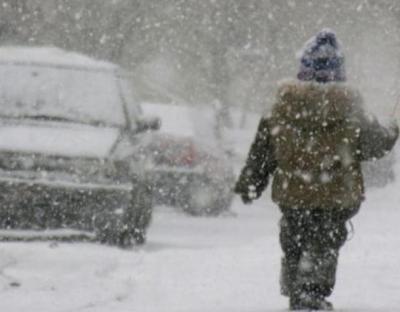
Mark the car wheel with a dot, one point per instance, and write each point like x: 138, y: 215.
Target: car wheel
x: 128, y: 227
x: 140, y: 212
x: 110, y: 230
x: 115, y: 232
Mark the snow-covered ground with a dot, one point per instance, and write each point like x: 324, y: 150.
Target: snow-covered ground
x: 221, y: 264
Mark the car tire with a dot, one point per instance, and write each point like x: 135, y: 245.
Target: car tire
x: 128, y: 228
x: 140, y: 212
x: 115, y: 232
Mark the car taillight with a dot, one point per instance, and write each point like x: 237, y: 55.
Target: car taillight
x: 188, y: 156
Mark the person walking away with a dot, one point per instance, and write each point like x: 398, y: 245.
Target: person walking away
x: 313, y: 143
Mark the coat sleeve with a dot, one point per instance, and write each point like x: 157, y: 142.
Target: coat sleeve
x: 260, y: 163
x: 375, y: 140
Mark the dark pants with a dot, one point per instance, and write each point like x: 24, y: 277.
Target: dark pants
x: 311, y: 240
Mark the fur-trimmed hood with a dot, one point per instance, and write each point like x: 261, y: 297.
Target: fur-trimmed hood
x: 311, y: 104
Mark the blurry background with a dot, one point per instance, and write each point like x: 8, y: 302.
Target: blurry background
x: 221, y: 53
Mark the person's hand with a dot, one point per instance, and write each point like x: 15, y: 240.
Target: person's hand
x: 242, y: 190
x: 247, y: 194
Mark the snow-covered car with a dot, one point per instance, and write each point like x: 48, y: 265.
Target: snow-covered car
x: 69, y: 156
x: 187, y: 173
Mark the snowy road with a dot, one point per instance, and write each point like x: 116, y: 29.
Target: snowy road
x: 193, y: 264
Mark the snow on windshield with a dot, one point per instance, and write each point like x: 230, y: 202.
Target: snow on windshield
x: 80, y: 95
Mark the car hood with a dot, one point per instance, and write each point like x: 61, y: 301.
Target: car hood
x: 58, y: 139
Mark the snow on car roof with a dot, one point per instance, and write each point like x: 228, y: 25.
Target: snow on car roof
x: 51, y: 56
x: 175, y: 119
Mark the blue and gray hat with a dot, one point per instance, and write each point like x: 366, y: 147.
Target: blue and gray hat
x: 322, y: 59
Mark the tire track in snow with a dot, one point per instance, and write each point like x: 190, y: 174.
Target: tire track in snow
x: 120, y: 296
x: 109, y: 272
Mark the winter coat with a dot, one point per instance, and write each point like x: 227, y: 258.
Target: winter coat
x: 313, y: 143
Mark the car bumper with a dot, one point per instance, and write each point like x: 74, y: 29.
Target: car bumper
x: 32, y: 200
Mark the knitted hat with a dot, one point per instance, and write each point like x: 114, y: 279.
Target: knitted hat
x: 322, y: 59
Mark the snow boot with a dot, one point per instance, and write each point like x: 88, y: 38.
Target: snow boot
x: 306, y: 302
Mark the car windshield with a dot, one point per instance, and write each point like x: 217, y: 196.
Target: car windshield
x: 60, y: 94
